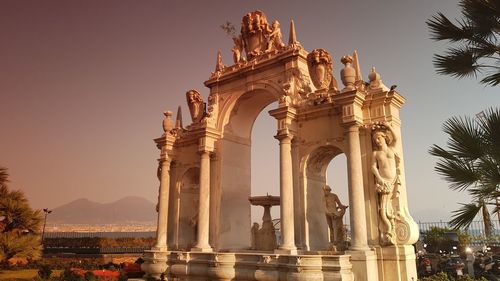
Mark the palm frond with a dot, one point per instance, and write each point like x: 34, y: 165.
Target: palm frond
x: 459, y: 174
x: 490, y: 125
x: 490, y: 173
x: 484, y: 192
x: 4, y: 176
x: 443, y: 29
x: 438, y: 151
x: 492, y: 79
x: 478, y: 35
x: 482, y: 15
x: 466, y: 139
x: 464, y: 216
x: 457, y: 62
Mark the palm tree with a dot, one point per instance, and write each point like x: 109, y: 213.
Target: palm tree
x: 19, y: 224
x: 477, y: 38
x: 471, y: 161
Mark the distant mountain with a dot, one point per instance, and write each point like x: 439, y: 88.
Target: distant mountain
x: 84, y: 211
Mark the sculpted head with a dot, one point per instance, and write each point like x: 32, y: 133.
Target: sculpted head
x: 320, y: 56
x: 193, y: 96
x: 380, y: 138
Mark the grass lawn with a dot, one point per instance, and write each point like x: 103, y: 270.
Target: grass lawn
x: 24, y: 274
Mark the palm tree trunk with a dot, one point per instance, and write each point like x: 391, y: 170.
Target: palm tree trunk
x: 488, y: 227
x: 497, y: 207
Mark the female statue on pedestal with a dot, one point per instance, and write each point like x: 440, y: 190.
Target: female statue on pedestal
x: 385, y: 167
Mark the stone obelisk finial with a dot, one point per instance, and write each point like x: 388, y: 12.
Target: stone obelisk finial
x: 292, y: 38
x: 178, y: 119
x: 359, y: 77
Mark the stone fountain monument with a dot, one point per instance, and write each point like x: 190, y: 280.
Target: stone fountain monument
x: 204, y: 228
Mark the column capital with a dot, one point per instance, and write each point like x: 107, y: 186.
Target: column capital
x: 353, y: 126
x: 284, y: 137
x: 214, y: 156
x: 284, y: 113
x: 165, y: 160
x: 204, y: 151
x: 206, y: 144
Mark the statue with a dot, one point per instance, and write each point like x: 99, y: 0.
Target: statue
x: 237, y: 49
x: 275, y: 39
x: 335, y: 212
x: 255, y: 232
x: 385, y: 167
x: 193, y: 220
x: 253, y: 31
x: 319, y: 63
x: 196, y: 105
x: 219, y: 66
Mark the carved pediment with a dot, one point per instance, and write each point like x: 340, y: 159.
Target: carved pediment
x: 258, y: 36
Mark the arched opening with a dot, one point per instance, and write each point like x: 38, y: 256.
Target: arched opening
x: 265, y: 164
x: 325, y: 165
x: 239, y: 150
x: 189, y: 191
x: 336, y: 178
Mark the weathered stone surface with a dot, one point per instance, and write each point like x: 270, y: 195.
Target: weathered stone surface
x: 204, y: 212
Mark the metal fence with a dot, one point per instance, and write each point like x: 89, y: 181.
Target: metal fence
x: 146, y: 234
x: 476, y: 228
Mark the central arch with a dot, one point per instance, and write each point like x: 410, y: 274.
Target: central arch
x: 234, y: 155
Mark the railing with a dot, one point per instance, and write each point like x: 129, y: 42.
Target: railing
x: 94, y: 250
x: 64, y: 248
x: 476, y: 228
x: 100, y: 234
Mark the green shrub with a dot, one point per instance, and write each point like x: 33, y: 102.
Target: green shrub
x: 436, y: 239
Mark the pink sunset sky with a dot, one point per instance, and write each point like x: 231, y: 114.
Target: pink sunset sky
x: 83, y: 85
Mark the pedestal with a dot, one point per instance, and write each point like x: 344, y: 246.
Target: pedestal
x: 155, y: 263
x: 364, y: 265
x: 397, y: 263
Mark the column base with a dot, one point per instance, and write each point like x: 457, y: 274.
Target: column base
x: 202, y: 249
x: 286, y: 251
x: 155, y: 262
x: 359, y: 249
x: 157, y: 248
x: 364, y: 264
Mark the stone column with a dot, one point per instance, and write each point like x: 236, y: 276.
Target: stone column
x: 286, y: 194
x: 161, y: 231
x: 155, y: 260
x: 204, y: 204
x: 214, y: 204
x: 359, y: 240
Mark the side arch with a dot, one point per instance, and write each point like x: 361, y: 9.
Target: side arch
x: 313, y: 166
x: 187, y: 206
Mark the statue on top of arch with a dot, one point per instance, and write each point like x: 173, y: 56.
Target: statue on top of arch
x: 257, y: 37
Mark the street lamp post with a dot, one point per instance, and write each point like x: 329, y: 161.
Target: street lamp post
x: 47, y: 212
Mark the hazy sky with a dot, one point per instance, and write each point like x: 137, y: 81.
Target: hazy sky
x: 83, y: 85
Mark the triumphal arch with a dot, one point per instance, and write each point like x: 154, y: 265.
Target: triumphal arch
x: 204, y: 225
